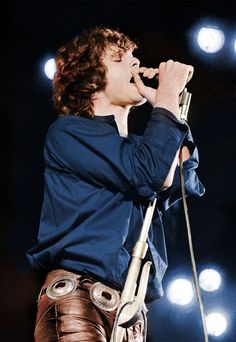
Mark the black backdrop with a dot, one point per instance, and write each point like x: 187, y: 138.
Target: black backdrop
x: 30, y: 32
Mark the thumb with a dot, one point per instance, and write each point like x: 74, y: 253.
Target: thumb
x: 147, y: 92
x: 138, y: 82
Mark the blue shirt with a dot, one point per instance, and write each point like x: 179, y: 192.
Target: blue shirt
x: 97, y: 187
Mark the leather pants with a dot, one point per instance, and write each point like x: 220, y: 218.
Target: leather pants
x: 73, y: 308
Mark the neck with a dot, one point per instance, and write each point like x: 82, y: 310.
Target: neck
x: 102, y: 108
x: 122, y: 122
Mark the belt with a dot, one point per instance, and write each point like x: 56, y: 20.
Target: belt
x: 60, y: 284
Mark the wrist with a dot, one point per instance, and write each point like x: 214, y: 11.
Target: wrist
x: 169, y: 99
x: 170, y: 106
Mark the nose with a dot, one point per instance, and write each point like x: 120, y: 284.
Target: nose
x: 135, y: 63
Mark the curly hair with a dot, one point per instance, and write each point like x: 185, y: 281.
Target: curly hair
x: 80, y: 71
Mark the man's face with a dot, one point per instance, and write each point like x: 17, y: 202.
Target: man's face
x: 120, y: 65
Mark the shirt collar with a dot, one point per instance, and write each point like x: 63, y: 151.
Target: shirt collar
x: 105, y: 118
x: 109, y: 119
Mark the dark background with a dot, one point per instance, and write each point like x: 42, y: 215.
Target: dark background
x: 31, y: 32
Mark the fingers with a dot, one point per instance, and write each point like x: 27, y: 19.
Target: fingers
x: 142, y: 69
x: 177, y: 67
x: 190, y: 72
x: 174, y: 75
x: 172, y: 79
x: 148, y: 72
x: 139, y: 83
x: 147, y: 92
x: 184, y: 70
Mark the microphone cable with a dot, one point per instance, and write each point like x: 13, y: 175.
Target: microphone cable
x: 189, y: 234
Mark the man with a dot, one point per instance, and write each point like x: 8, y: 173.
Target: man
x: 99, y: 181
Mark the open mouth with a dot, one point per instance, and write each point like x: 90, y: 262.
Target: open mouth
x: 132, y: 80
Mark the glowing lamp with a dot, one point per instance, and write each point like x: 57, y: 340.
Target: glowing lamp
x: 210, y: 39
x: 216, y: 324
x: 180, y: 292
x: 209, y: 280
x: 50, y: 68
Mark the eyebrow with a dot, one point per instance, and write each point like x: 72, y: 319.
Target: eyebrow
x: 118, y: 53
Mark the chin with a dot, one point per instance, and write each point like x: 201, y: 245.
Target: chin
x: 140, y: 102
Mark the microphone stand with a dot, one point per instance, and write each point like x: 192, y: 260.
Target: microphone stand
x: 130, y: 304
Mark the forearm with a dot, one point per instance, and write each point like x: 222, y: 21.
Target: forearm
x: 169, y: 179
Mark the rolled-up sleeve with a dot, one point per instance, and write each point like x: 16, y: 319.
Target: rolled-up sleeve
x: 96, y: 153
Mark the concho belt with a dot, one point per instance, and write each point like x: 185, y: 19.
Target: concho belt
x: 104, y: 297
x: 61, y: 288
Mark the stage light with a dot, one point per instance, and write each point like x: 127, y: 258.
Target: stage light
x: 50, y: 68
x: 209, y: 280
x: 216, y: 323
x: 210, y: 39
x: 180, y: 292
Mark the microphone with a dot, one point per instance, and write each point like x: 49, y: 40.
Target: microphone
x: 149, y: 82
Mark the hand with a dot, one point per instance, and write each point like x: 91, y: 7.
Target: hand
x: 173, y: 77
x: 184, y: 154
x: 147, y: 92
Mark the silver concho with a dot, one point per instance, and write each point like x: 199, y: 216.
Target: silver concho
x: 61, y: 288
x: 104, y: 297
